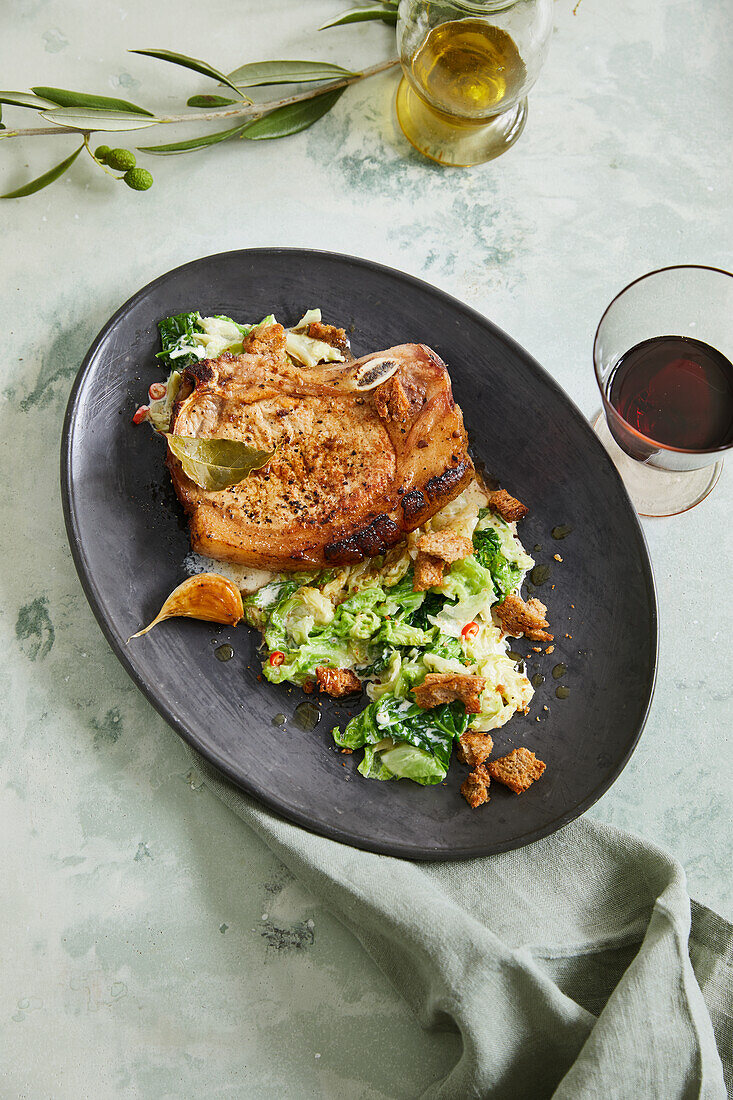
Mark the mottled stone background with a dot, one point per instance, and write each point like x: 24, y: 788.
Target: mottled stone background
x: 150, y: 946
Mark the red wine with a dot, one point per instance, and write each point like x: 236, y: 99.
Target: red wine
x: 677, y: 391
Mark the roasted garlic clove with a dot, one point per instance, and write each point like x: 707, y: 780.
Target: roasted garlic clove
x: 206, y: 596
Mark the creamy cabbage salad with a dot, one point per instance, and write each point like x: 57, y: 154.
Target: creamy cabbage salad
x: 367, y: 618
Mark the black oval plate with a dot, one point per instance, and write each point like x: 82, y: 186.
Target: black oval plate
x: 129, y: 540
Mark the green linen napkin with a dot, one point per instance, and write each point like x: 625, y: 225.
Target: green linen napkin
x: 575, y: 967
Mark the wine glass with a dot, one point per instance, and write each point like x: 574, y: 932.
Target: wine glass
x: 467, y: 69
x: 662, y: 356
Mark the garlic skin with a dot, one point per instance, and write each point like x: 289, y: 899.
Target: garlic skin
x: 206, y: 596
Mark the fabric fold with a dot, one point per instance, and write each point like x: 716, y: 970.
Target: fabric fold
x: 564, y: 965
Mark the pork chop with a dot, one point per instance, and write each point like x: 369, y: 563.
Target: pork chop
x: 353, y: 469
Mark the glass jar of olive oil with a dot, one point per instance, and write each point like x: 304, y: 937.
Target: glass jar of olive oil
x: 467, y: 69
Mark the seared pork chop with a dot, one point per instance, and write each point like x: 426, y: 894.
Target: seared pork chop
x: 353, y: 469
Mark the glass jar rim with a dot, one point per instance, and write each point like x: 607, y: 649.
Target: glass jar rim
x: 484, y: 7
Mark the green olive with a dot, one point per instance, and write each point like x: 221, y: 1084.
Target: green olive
x: 139, y: 179
x: 121, y: 159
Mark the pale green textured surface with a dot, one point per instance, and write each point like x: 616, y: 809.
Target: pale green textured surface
x: 151, y: 947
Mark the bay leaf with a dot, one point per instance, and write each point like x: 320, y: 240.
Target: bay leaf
x: 216, y: 464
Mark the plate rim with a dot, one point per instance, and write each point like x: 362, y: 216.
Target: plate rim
x: 221, y: 764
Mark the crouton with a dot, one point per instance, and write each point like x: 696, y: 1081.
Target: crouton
x: 475, y: 789
x: 517, y: 771
x: 508, y: 507
x: 329, y: 334
x: 475, y: 747
x: 517, y: 617
x: 397, y: 399
x: 337, y: 681
x: 444, y: 545
x: 428, y: 572
x: 444, y: 687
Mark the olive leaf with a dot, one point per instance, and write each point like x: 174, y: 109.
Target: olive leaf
x: 216, y: 463
x: 89, y: 119
x: 286, y: 72
x: 25, y: 99
x: 45, y: 179
x: 361, y: 15
x: 63, y: 98
x: 293, y: 118
x: 209, y: 101
x: 189, y: 63
x: 193, y: 143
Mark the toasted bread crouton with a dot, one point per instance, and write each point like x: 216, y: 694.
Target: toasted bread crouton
x: 265, y: 340
x: 329, y: 334
x: 475, y: 789
x: 396, y: 400
x: 444, y: 545
x: 428, y: 572
x: 517, y: 771
x: 337, y: 681
x: 475, y: 747
x: 444, y: 687
x: 508, y: 507
x: 517, y: 617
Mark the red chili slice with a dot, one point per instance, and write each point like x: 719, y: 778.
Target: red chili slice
x: 141, y: 414
x: 157, y: 390
x: 470, y: 630
x: 277, y: 658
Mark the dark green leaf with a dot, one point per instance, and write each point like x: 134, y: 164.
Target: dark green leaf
x: 431, y: 605
x: 208, y: 101
x: 89, y: 119
x: 45, y: 179
x: 216, y: 463
x: 189, y: 63
x: 362, y: 15
x: 286, y: 72
x: 193, y: 143
x: 25, y: 99
x: 487, y: 550
x: 433, y: 730
x: 80, y: 99
x: 176, y: 333
x: 293, y: 118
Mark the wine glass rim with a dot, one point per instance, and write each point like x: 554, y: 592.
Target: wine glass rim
x: 635, y: 431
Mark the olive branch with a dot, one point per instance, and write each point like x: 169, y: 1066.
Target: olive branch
x: 83, y: 114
